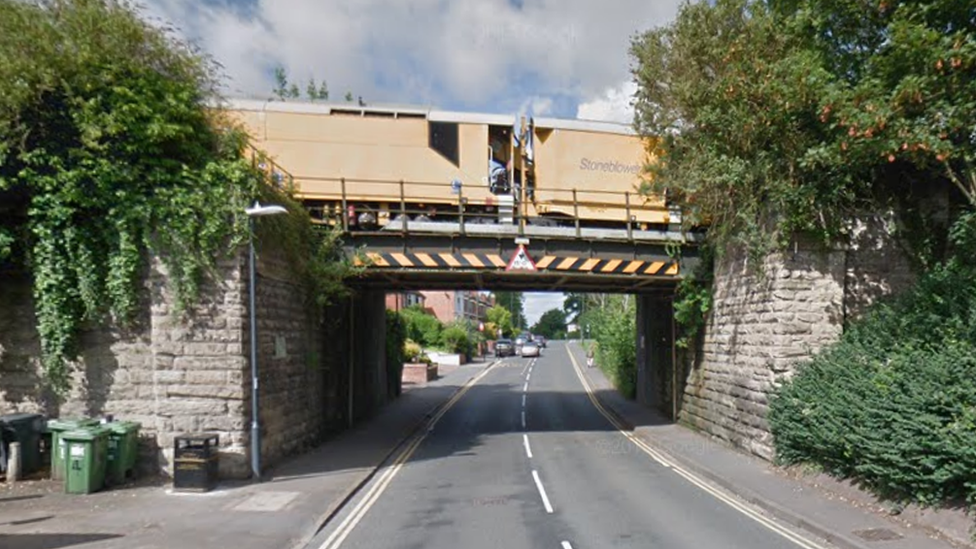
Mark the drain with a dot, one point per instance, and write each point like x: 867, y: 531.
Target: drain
x: 877, y: 534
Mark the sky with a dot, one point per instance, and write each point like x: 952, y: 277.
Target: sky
x: 563, y: 58
x: 558, y: 58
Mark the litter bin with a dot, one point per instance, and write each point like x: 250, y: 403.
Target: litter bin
x: 123, y: 448
x: 195, y: 462
x: 25, y: 429
x: 58, y: 450
x: 86, y: 459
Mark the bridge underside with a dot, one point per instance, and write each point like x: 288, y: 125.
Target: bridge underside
x: 405, y: 279
x: 397, y: 261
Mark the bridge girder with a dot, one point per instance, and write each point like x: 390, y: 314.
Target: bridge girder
x: 414, y: 261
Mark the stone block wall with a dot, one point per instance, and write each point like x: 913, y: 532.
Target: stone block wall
x: 876, y: 264
x: 190, y: 374
x: 290, y: 369
x: 762, y: 325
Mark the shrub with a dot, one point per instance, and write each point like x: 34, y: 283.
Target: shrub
x: 456, y: 340
x: 422, y: 326
x: 412, y: 352
x: 893, y: 404
x: 614, y: 329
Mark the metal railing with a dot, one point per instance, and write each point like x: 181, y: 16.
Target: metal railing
x: 411, y: 201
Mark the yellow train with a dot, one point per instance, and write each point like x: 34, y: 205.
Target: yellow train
x: 368, y: 166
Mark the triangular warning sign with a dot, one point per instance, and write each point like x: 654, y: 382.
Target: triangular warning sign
x: 521, y: 261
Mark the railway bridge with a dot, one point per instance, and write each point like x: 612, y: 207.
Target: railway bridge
x: 434, y: 200
x: 438, y: 199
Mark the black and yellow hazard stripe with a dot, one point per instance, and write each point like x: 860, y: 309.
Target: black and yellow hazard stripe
x: 606, y: 266
x: 435, y: 261
x: 549, y: 263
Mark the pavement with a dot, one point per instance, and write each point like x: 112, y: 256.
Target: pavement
x: 299, y: 496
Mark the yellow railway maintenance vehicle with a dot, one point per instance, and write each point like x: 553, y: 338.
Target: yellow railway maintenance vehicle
x: 388, y: 167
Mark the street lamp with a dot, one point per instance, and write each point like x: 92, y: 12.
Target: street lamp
x: 255, y: 211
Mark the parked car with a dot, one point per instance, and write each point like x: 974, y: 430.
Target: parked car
x: 504, y: 347
x: 519, y: 341
x: 531, y: 348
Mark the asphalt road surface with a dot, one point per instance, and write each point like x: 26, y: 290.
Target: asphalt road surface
x: 525, y: 459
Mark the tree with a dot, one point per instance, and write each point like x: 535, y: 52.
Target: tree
x: 285, y: 89
x: 514, y: 303
x: 729, y: 104
x: 111, y: 152
x: 499, y: 318
x: 552, y: 324
x: 107, y: 150
x: 573, y: 306
x: 320, y: 92
x: 783, y: 117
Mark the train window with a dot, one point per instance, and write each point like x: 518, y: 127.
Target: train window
x: 443, y: 137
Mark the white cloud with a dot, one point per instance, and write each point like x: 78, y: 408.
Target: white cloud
x: 613, y: 105
x: 474, y: 53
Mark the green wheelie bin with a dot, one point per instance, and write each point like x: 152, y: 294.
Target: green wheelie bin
x: 123, y: 449
x: 27, y: 430
x: 58, y: 450
x: 86, y: 459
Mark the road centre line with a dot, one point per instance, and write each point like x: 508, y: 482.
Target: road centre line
x: 523, y: 401
x: 528, y: 377
x: 525, y: 388
x: 523, y: 419
x: 566, y: 545
x: 346, y: 527
x: 690, y: 477
x: 542, y: 491
x: 528, y: 451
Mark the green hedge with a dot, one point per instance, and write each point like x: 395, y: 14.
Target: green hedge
x: 893, y: 404
x: 421, y: 326
x: 614, y: 329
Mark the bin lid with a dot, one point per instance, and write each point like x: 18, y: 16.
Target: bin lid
x: 18, y: 418
x: 123, y: 427
x: 65, y: 424
x: 21, y: 420
x: 85, y: 433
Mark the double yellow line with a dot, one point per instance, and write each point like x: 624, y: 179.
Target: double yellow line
x: 349, y: 524
x: 690, y: 477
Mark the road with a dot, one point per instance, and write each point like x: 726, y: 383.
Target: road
x: 525, y: 459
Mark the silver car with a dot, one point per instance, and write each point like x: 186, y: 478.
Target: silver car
x: 530, y: 348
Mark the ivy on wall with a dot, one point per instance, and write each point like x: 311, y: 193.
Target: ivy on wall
x: 110, y: 149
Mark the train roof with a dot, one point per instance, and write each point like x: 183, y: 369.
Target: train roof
x: 430, y: 113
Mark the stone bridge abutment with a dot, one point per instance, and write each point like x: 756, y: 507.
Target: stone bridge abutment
x: 191, y: 374
x: 763, y: 322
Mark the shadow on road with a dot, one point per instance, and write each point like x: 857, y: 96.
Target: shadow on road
x: 50, y: 541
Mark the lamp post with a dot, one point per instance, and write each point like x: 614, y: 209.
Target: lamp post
x: 255, y: 211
